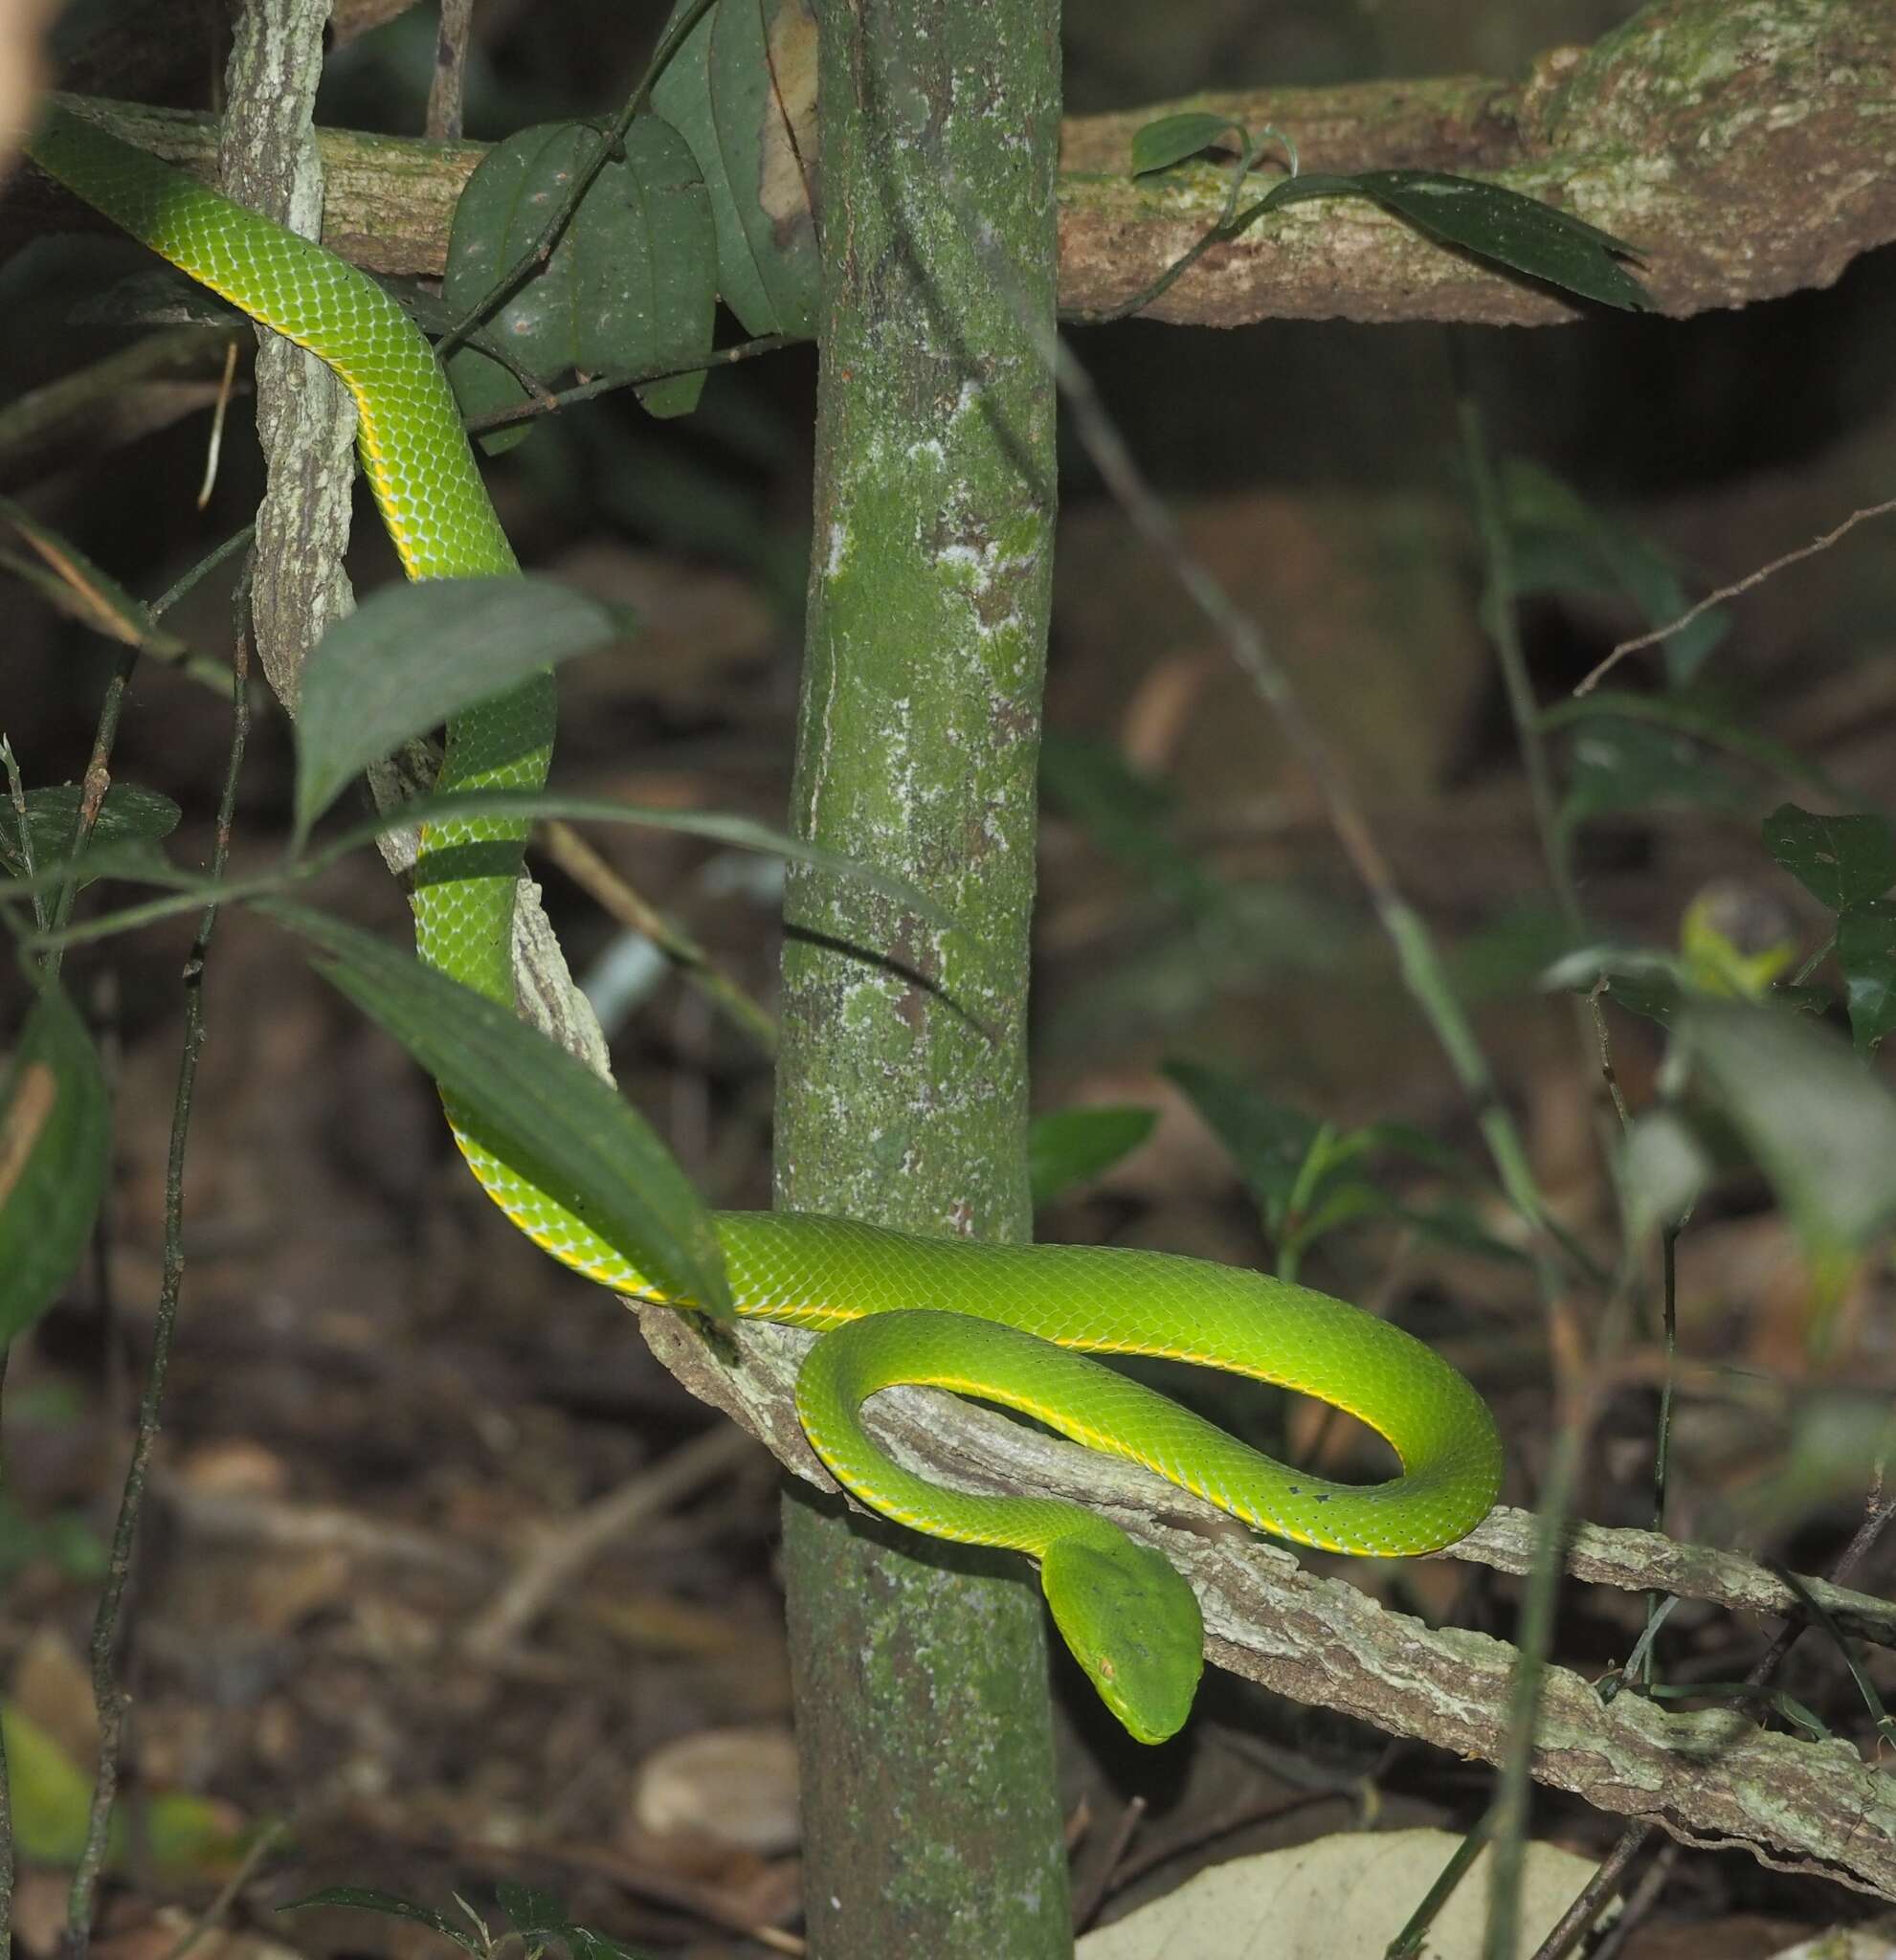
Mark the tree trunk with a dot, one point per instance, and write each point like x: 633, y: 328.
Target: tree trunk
x: 933, y: 1820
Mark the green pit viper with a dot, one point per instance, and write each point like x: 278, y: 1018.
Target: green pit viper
x: 996, y: 1322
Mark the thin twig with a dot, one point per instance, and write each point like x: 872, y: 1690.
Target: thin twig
x: 1879, y: 1508
x: 204, y: 567
x: 547, y: 402
x: 1645, y: 1896
x: 110, y: 1699
x: 567, y: 1552
x: 614, y: 896
x: 16, y: 792
x: 92, y: 797
x: 1421, y: 965
x: 260, y: 1847
x: 1086, y: 1905
x: 1730, y: 591
x: 447, y: 91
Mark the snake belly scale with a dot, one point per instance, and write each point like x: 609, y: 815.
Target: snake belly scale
x: 1011, y: 1324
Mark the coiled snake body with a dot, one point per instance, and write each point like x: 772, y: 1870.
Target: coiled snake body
x: 1001, y: 1322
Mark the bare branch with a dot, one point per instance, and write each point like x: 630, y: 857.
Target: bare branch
x: 1709, y: 1777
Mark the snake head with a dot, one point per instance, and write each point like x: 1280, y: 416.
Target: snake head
x: 1132, y: 1623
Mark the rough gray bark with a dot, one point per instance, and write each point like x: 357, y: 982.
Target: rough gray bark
x: 1746, y: 151
x: 1709, y: 1777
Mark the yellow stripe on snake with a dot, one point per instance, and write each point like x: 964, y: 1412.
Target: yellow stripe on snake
x: 998, y: 1323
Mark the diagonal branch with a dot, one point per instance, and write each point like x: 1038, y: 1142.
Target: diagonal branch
x: 1709, y: 1777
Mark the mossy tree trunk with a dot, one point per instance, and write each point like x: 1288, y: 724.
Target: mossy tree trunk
x: 933, y: 1820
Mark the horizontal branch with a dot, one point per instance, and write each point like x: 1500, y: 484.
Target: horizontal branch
x: 1709, y: 1776
x: 1746, y: 151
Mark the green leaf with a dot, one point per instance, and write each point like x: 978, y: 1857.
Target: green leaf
x: 1494, y: 223
x: 1616, y: 765
x: 742, y: 92
x: 1171, y: 139
x: 1127, y: 815
x: 1820, y: 1127
x: 584, y: 1943
x: 1839, y: 860
x: 55, y: 1137
x: 1703, y: 721
x: 1867, y: 954
x: 630, y: 286
x: 412, y: 656
x: 1565, y: 544
x: 1662, y: 1168
x: 532, y: 1104
x: 129, y: 816
x: 530, y: 1911
x: 72, y: 583
x: 1647, y: 983
x: 1067, y: 1146
x: 717, y: 826
x: 394, y: 1906
x: 1268, y: 1142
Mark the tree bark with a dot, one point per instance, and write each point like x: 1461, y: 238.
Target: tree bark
x: 932, y: 1819
x: 1745, y: 152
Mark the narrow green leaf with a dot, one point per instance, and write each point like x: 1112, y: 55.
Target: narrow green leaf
x: 55, y: 1135
x: 742, y: 92
x: 1491, y: 221
x: 630, y: 286
x: 1171, y: 139
x: 129, y: 816
x: 1867, y: 954
x: 532, y: 1104
x: 529, y: 1910
x: 79, y: 588
x: 1268, y: 1141
x: 394, y: 1906
x: 412, y: 656
x: 1839, y: 860
x: 584, y: 1943
x: 1128, y: 815
x: 1816, y: 1122
x: 717, y: 826
x: 1067, y: 1146
x: 1563, y: 543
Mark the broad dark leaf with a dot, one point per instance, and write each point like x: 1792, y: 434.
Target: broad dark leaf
x: 1839, y: 860
x: 412, y: 656
x: 630, y: 287
x: 1818, y: 1125
x: 1867, y: 954
x: 1616, y: 765
x: 742, y: 92
x: 55, y: 1138
x: 130, y: 815
x: 1067, y: 1146
x: 529, y: 1910
x: 534, y: 1106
